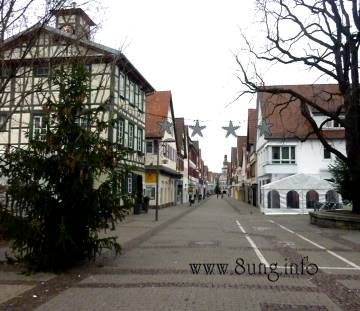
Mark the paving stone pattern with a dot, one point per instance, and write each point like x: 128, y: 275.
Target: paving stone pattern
x: 154, y: 273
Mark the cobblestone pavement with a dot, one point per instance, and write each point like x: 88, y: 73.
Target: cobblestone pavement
x: 220, y: 255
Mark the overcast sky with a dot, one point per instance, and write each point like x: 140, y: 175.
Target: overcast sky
x: 187, y: 47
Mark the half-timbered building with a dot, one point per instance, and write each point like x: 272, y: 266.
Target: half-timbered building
x: 30, y: 58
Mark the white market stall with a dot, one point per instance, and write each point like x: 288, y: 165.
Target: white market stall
x: 296, y: 194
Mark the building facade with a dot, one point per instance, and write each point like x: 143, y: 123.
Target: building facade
x: 282, y: 152
x: 162, y: 177
x: 33, y: 56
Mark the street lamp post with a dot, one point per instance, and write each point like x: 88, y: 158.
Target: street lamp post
x: 157, y: 181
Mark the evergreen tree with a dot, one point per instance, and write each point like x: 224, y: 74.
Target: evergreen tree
x: 65, y: 183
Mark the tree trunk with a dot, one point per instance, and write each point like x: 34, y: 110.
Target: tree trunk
x: 352, y: 136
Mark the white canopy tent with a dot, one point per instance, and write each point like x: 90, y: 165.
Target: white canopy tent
x: 296, y: 194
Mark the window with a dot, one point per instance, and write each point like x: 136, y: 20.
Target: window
x: 131, y: 136
x: 122, y: 84
x: 137, y: 96
x: 87, y: 67
x: 82, y: 121
x: 3, y: 122
x: 141, y: 100
x: 140, y: 140
x: 149, y: 147
x: 41, y: 70
x: 132, y: 92
x: 5, y: 72
x: 292, y: 199
x: 120, y: 132
x: 273, y: 199
x: 129, y: 183
x: 127, y: 88
x: 39, y: 126
x: 327, y: 154
x: 285, y: 154
x: 312, y: 197
x: 276, y: 154
x: 150, y: 192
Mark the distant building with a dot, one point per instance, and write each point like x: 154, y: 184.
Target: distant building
x: 292, y: 173
x: 224, y: 177
x: 250, y: 183
x: 161, y: 151
x: 182, y: 161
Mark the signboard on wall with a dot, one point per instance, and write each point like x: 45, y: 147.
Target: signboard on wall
x: 150, y: 177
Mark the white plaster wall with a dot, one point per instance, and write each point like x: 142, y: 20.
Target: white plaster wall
x: 309, y: 158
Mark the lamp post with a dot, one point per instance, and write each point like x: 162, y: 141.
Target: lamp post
x: 157, y: 182
x: 163, y: 143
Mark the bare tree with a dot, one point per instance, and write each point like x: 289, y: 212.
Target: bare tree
x: 30, y: 61
x: 322, y: 35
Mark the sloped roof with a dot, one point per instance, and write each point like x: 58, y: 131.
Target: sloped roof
x: 299, y: 182
x: 75, y: 11
x: 251, y: 128
x: 283, y: 113
x: 107, y: 52
x: 158, y: 106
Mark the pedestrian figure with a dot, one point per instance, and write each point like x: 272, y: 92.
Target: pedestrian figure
x: 190, y: 199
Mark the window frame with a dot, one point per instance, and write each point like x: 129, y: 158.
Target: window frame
x: 3, y: 127
x: 122, y: 85
x: 132, y: 94
x: 40, y: 74
x: 6, y: 72
x: 131, y: 137
x: 141, y: 100
x: 129, y: 183
x: 43, y: 122
x: 152, y: 147
x: 291, y: 153
x: 120, y: 131
x: 140, y: 140
x: 127, y: 88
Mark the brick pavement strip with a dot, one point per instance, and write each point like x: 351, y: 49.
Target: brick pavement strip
x: 344, y: 297
x: 40, y: 292
x: 125, y: 284
x: 285, y: 307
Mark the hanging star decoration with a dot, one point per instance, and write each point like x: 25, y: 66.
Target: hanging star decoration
x: 230, y: 129
x: 197, y: 129
x: 165, y: 126
x: 264, y: 128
